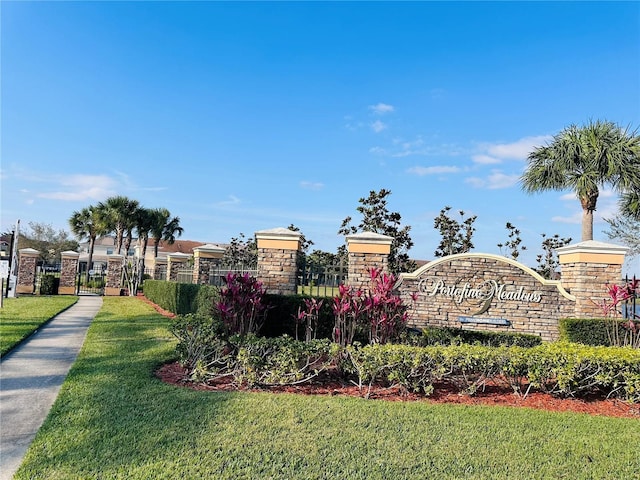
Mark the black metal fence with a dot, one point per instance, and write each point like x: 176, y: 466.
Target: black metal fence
x: 321, y: 280
x: 631, y: 306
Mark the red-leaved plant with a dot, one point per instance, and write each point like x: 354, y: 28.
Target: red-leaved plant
x: 241, y: 306
x: 378, y: 311
x: 309, y: 317
x: 630, y: 336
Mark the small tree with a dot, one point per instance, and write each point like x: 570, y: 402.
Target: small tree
x: 513, y: 245
x: 377, y: 218
x: 47, y: 240
x: 626, y: 229
x: 241, y: 253
x: 456, y: 235
x: 548, y: 263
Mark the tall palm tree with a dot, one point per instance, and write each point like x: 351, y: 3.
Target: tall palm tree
x: 630, y: 204
x: 585, y: 159
x: 88, y: 223
x: 164, y: 228
x: 119, y: 215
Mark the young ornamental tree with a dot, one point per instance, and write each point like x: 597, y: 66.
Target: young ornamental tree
x: 377, y: 218
x: 455, y: 235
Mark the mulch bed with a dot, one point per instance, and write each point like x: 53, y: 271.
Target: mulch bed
x: 173, y: 373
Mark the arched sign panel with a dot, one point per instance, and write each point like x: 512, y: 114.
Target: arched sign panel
x: 482, y: 292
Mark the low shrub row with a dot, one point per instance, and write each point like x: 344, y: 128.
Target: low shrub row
x: 563, y: 369
x: 457, y: 336
x: 591, y: 331
x: 182, y: 298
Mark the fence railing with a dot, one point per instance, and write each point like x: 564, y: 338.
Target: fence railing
x: 321, y: 280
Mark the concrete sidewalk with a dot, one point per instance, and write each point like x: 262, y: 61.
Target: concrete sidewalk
x: 31, y: 376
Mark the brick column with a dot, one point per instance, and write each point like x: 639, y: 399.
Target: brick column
x: 366, y: 250
x: 160, y: 269
x: 68, y: 273
x: 278, y: 251
x: 586, y: 269
x: 205, y: 257
x: 113, y: 285
x: 175, y: 262
x: 27, y: 263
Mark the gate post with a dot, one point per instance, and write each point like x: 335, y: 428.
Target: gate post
x: 113, y: 284
x: 27, y: 263
x: 366, y: 250
x: 204, y: 257
x: 175, y: 261
x: 278, y: 251
x: 68, y: 273
x: 586, y: 269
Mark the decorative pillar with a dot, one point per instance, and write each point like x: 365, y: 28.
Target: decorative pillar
x: 160, y: 269
x: 68, y: 273
x: 586, y: 269
x: 278, y: 251
x: 367, y: 250
x: 175, y: 262
x: 205, y: 257
x: 27, y: 263
x: 113, y: 284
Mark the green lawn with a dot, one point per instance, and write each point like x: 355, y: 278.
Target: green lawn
x: 114, y: 419
x: 19, y: 317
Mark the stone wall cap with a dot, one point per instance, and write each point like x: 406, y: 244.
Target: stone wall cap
x: 178, y: 255
x: 369, y: 237
x: 29, y: 251
x: 593, y: 246
x: 70, y: 253
x: 278, y: 233
x: 209, y: 247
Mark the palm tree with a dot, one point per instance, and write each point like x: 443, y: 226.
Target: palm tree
x: 164, y: 228
x: 630, y: 204
x: 585, y: 159
x: 119, y: 216
x: 88, y: 223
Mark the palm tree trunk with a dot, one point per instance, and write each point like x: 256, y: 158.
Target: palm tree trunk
x: 587, y: 225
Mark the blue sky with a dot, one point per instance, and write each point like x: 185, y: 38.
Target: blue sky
x: 244, y: 116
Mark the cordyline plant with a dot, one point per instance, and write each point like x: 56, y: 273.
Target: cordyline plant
x: 630, y: 334
x: 378, y: 311
x: 309, y: 317
x: 241, y: 305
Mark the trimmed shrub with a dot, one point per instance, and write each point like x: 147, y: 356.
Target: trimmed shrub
x: 588, y: 331
x: 178, y: 298
x: 49, y: 285
x: 456, y: 336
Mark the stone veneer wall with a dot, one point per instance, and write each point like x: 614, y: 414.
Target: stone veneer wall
x: 360, y: 264
x: 113, y: 284
x: 525, y: 315
x: 68, y: 273
x: 176, y: 262
x: 588, y: 282
x: 278, y: 251
x: 277, y: 270
x: 28, y: 261
x: 205, y: 258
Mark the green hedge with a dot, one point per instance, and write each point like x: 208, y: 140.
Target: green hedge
x: 456, y: 336
x: 179, y: 298
x: 588, y: 331
x: 565, y: 369
x: 49, y: 285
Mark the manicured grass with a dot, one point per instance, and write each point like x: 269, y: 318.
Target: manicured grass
x: 114, y: 419
x: 19, y: 317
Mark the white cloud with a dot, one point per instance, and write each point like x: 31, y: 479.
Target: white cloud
x: 485, y: 159
x: 233, y: 200
x: 381, y: 108
x: 518, y: 150
x: 493, y: 153
x: 378, y: 126
x: 82, y: 187
x: 312, y: 185
x: 575, y: 219
x: 494, y: 181
x: 421, y: 171
x: 377, y: 151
